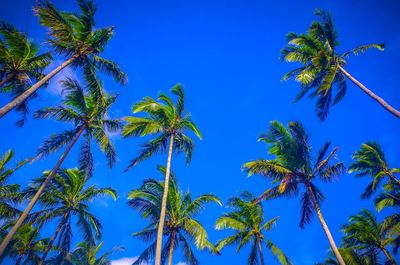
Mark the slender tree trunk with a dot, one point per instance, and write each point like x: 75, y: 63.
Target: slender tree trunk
x: 171, y: 248
x: 325, y: 226
x: 375, y: 97
x: 164, y: 203
x: 24, y: 96
x: 392, y: 177
x: 63, y: 221
x: 5, y: 80
x: 34, y: 199
x: 388, y: 256
x: 260, y: 250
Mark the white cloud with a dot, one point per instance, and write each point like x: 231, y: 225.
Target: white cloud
x: 54, y: 86
x: 125, y: 261
x: 181, y: 263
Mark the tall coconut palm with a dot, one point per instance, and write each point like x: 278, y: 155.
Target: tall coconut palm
x: 9, y: 193
x: 20, y: 63
x: 294, y: 167
x: 247, y: 220
x: 76, y: 37
x: 365, y: 234
x: 27, y: 245
x: 322, y: 72
x: 370, y: 160
x: 68, y: 195
x: 169, y: 123
x: 89, y: 119
x: 181, y: 225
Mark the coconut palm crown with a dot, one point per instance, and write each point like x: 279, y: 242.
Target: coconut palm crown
x: 247, y: 220
x: 322, y: 74
x: 294, y: 169
x: 181, y: 226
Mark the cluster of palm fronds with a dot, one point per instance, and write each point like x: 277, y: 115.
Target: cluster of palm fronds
x: 64, y: 195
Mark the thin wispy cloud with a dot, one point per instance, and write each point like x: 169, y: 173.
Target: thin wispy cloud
x: 54, y: 86
x: 126, y: 261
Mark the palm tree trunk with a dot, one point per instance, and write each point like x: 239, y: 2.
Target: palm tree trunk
x: 8, y: 78
x: 388, y: 256
x: 164, y: 203
x: 375, y: 97
x: 392, y: 177
x: 260, y: 250
x: 34, y: 199
x: 325, y: 226
x: 24, y: 96
x: 171, y: 248
x: 63, y: 221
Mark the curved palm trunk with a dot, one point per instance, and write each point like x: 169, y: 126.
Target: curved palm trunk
x: 375, y: 97
x: 171, y: 248
x: 164, y: 203
x: 8, y: 78
x: 34, y: 199
x: 260, y: 250
x: 24, y: 96
x: 325, y: 226
x: 388, y: 256
x: 63, y: 221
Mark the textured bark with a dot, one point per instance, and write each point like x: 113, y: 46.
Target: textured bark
x: 24, y: 96
x: 34, y: 199
x: 325, y: 226
x: 375, y: 97
x: 171, y: 248
x: 164, y: 203
x: 260, y: 250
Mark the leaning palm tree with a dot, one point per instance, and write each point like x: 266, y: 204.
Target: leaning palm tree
x: 27, y: 245
x: 363, y: 233
x: 181, y: 225
x: 68, y: 195
x: 247, y: 220
x: 76, y: 37
x: 20, y: 64
x: 168, y: 122
x: 89, y: 119
x: 322, y: 72
x: 370, y: 160
x: 294, y: 167
x: 9, y: 193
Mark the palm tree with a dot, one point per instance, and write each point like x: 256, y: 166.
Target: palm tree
x: 66, y: 196
x: 27, y: 245
x: 181, y: 225
x: 9, y: 193
x: 390, y: 198
x: 76, y: 37
x: 168, y: 122
x: 322, y: 71
x: 365, y: 234
x: 247, y: 220
x: 89, y: 119
x: 86, y: 254
x: 370, y: 160
x: 20, y: 63
x: 294, y: 167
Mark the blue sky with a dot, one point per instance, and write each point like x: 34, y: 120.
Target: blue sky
x: 226, y: 54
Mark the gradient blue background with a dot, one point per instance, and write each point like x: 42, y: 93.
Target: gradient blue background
x: 226, y: 54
